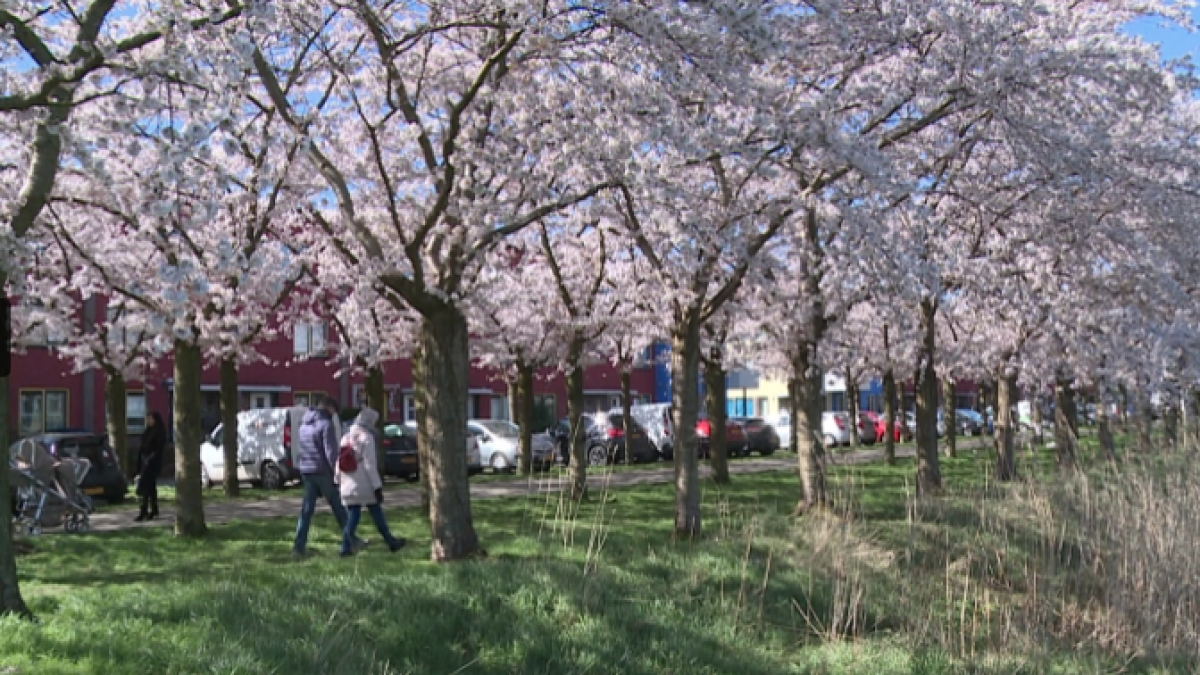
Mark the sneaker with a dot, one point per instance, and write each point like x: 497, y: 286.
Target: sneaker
x: 361, y: 544
x: 299, y: 555
x: 141, y: 517
x: 397, y: 544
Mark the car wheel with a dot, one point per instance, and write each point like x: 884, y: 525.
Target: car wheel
x: 115, y: 498
x: 667, y: 453
x: 272, y: 476
x: 499, y: 463
x: 830, y: 442
x: 412, y: 477
x: 597, y: 455
x: 768, y: 451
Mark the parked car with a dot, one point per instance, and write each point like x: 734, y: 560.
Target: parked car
x: 400, y: 452
x: 474, y: 463
x: 969, y: 422
x: 499, y: 445
x: 105, y: 479
x: 266, y: 453
x: 899, y: 433
x: 867, y: 433
x: 835, y: 428
x: 736, y: 443
x: 783, y: 428
x: 560, y: 435
x: 608, y: 441
x: 761, y: 437
x: 656, y: 419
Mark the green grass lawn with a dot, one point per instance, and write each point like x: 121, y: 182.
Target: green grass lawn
x: 872, y: 588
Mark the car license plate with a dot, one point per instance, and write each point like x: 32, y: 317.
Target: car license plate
x: 94, y: 491
x: 408, y: 460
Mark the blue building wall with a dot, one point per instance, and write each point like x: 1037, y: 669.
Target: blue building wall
x: 662, y: 373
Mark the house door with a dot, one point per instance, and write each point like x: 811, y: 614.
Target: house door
x: 260, y: 401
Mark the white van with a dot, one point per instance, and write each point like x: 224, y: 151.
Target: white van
x: 268, y: 448
x: 656, y: 419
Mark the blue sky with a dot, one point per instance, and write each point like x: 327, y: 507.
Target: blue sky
x: 1175, y: 41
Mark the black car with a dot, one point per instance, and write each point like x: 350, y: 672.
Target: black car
x: 606, y: 440
x: 400, y: 452
x: 561, y: 433
x: 760, y: 436
x: 104, y: 479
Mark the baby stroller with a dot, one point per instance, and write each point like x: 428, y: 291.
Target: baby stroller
x: 47, y: 490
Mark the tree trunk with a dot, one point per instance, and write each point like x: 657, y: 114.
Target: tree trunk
x: 852, y: 409
x: 377, y: 394
x: 11, y: 601
x: 685, y: 376
x: 440, y: 379
x: 1035, y: 414
x: 1104, y: 424
x: 524, y: 418
x: 1170, y: 416
x: 116, y: 419
x: 189, y: 491
x: 715, y: 398
x: 889, y: 413
x: 805, y: 388
x: 1006, y: 458
x: 1066, y: 429
x: 1122, y: 407
x: 951, y: 420
x: 229, y: 426
x: 626, y: 405
x: 929, y: 473
x: 1144, y: 420
x: 579, y: 440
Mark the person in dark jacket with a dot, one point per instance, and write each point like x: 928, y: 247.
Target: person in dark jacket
x: 319, y: 446
x: 150, y: 462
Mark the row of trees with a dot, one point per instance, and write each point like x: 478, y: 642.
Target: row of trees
x: 934, y: 188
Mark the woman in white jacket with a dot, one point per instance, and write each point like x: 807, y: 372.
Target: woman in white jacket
x: 358, y: 476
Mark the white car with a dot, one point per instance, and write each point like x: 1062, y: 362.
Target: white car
x: 835, y: 428
x: 474, y: 463
x: 268, y: 443
x: 498, y: 445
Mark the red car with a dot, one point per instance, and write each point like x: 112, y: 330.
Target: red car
x: 880, y: 422
x: 736, y: 444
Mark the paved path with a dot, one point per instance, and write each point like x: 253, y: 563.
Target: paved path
x: 396, y: 495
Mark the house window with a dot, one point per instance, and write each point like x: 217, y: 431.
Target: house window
x: 875, y: 402
x: 307, y: 399
x: 309, y: 339
x: 545, y: 411
x: 410, y: 407
x: 42, y: 410
x: 500, y: 408
x: 135, y: 411
x: 837, y: 401
x: 762, y: 407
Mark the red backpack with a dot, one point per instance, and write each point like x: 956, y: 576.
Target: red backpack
x: 347, y: 462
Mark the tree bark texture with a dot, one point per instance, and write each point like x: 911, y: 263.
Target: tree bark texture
x: 1104, y: 426
x: 929, y: 473
x: 1066, y: 429
x: 852, y: 409
x: 189, y: 491
x: 116, y: 400
x: 685, y: 376
x: 11, y: 601
x: 951, y: 420
x: 626, y: 405
x: 579, y: 440
x: 440, y: 378
x: 806, y: 424
x: 1144, y: 421
x: 229, y: 426
x: 715, y: 397
x: 377, y: 393
x: 889, y: 413
x: 524, y: 419
x: 1005, y: 433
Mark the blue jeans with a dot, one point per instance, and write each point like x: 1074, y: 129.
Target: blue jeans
x: 352, y: 526
x: 317, y: 485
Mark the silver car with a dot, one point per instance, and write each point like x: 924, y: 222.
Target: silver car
x: 498, y: 445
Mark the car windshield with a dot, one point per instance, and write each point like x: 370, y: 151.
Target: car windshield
x: 499, y: 428
x: 396, y: 431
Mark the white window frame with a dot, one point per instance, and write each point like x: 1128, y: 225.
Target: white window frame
x: 130, y: 396
x: 310, y: 338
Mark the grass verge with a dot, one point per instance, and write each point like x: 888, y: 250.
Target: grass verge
x: 962, y: 582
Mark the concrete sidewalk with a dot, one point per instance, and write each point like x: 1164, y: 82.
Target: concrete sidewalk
x: 399, y: 495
